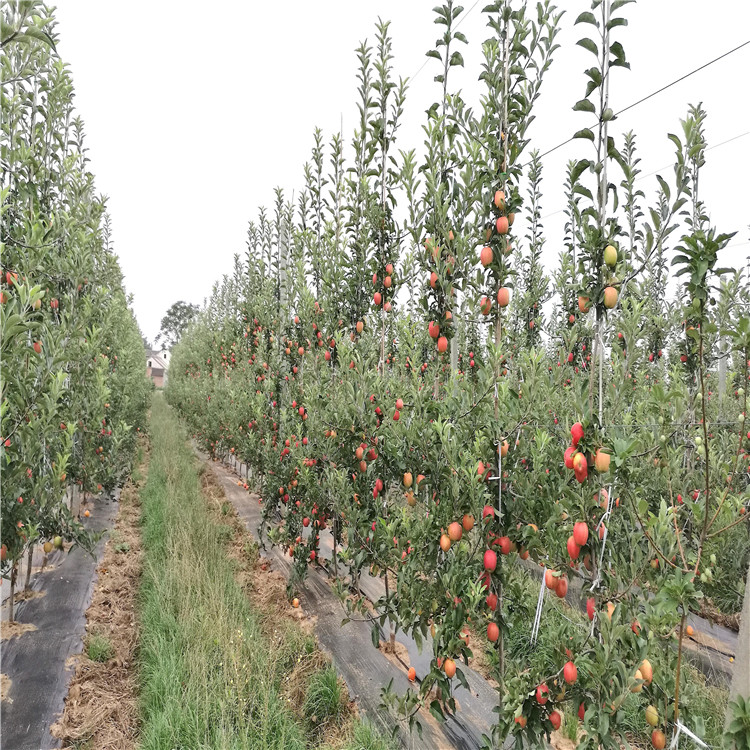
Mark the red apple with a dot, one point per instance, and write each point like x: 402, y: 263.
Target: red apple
x: 581, y: 533
x: 490, y: 560
x: 570, y: 672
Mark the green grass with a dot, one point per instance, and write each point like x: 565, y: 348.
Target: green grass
x: 209, y: 678
x: 325, y: 701
x: 99, y: 648
x: 570, y: 725
x: 367, y: 737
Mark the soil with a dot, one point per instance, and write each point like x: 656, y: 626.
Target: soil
x: 101, y: 707
x: 480, y: 661
x: 14, y: 629
x: 560, y: 742
x: 396, y: 653
x: 5, y: 684
x: 24, y: 596
x: 710, y: 612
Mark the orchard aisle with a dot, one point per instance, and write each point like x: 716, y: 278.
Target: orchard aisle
x: 221, y: 665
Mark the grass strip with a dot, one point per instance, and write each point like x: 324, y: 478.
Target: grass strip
x: 208, y: 675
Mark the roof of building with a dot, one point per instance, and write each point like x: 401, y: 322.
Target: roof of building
x: 156, y: 362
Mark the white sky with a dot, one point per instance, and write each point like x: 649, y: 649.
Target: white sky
x: 193, y: 115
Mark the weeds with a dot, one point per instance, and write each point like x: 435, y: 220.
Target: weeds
x: 99, y: 648
x: 325, y: 701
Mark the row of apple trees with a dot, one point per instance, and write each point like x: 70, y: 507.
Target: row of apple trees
x: 409, y: 383
x: 74, y: 392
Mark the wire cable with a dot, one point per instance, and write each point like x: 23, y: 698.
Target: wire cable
x: 687, y: 75
x: 710, y: 148
x: 656, y: 171
x: 653, y: 93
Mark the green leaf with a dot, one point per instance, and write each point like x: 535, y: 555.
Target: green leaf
x: 585, y: 133
x: 603, y: 723
x: 617, y: 50
x: 39, y: 35
x: 6, y: 30
x: 462, y: 678
x: 595, y: 75
x: 588, y: 44
x: 590, y: 86
x: 580, y: 167
x: 437, y: 711
x: 664, y: 186
x: 587, y: 17
x: 584, y: 105
x: 614, y: 22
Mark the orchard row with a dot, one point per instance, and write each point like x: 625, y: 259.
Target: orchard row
x: 74, y: 391
x: 445, y: 430
x: 391, y: 378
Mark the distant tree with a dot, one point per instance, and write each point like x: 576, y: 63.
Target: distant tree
x: 175, y: 322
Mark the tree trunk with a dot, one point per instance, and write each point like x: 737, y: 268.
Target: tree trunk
x: 335, y: 548
x: 29, y: 559
x: 741, y: 675
x: 454, y: 353
x: 13, y: 573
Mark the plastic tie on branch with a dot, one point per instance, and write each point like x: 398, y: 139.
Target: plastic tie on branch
x: 539, y: 606
x: 499, y: 479
x: 676, y: 737
x: 499, y: 495
x: 605, y: 517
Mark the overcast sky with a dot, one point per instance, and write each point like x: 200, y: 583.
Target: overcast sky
x: 194, y: 116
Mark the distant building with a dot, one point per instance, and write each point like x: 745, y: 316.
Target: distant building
x: 157, y: 364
